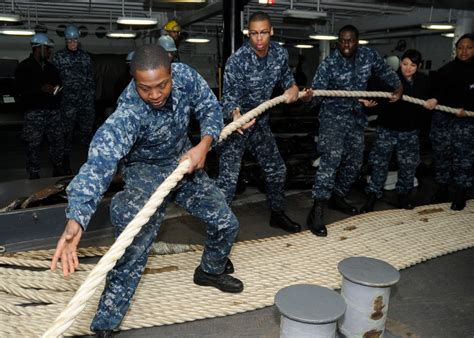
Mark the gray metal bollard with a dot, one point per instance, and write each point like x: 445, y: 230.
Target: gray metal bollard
x: 366, y: 291
x: 309, y: 311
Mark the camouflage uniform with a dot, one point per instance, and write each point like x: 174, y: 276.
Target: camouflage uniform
x: 452, y: 137
x: 342, y: 120
x: 148, y: 143
x: 77, y: 104
x: 42, y: 116
x: 398, y: 131
x: 408, y: 157
x: 248, y: 82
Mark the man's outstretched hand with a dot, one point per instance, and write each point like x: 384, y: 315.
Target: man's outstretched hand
x: 66, y: 249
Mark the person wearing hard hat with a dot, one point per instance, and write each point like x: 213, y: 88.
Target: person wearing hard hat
x: 77, y: 104
x: 39, y: 84
x: 173, y: 29
x: 168, y: 44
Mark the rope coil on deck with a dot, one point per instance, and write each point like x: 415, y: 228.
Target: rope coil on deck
x: 399, y: 237
x: 98, y: 273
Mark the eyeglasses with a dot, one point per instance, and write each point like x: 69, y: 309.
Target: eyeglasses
x: 71, y: 40
x: 263, y: 34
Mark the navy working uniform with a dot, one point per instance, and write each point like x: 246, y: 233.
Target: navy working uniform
x: 398, y: 129
x: 148, y: 144
x: 249, y: 81
x: 452, y: 137
x: 42, y: 117
x: 342, y: 120
x: 77, y: 104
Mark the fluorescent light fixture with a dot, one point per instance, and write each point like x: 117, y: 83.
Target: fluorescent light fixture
x: 17, y: 31
x: 438, y: 26
x: 10, y: 17
x: 197, y: 40
x: 448, y: 35
x: 245, y: 31
x: 136, y: 21
x: 303, y: 46
x: 281, y: 43
x: 323, y: 37
x: 363, y: 42
x: 304, y: 14
x: 121, y: 34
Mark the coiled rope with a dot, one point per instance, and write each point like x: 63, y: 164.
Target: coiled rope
x: 107, y: 262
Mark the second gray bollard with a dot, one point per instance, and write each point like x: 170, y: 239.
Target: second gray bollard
x: 366, y: 291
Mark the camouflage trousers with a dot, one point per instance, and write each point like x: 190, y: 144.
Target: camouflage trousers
x: 78, y: 113
x: 452, y: 139
x: 261, y: 143
x: 341, y: 145
x: 407, y: 148
x: 198, y: 195
x: 37, y: 125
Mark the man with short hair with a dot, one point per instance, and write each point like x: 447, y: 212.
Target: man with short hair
x: 342, y: 122
x: 77, y: 104
x: 147, y: 136
x: 38, y: 84
x: 250, y: 75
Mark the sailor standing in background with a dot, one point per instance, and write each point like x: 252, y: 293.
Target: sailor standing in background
x: 77, y: 104
x: 38, y: 84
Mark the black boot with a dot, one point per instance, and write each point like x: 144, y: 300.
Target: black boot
x: 104, y: 334
x: 339, y: 203
x: 223, y: 282
x: 404, y: 201
x: 459, y: 201
x: 369, y: 204
x: 315, y: 221
x: 279, y: 219
x: 441, y: 195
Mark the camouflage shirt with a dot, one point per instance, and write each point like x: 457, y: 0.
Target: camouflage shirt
x: 249, y: 80
x: 75, y: 69
x: 137, y: 135
x: 339, y: 73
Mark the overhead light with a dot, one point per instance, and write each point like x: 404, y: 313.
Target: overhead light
x: 281, y: 43
x: 438, y: 26
x: 17, y: 31
x: 10, y: 17
x: 323, y: 37
x: 266, y: 2
x: 123, y: 20
x: 197, y: 40
x: 245, y: 31
x: 363, y: 42
x: 301, y: 14
x: 121, y: 35
x: 303, y: 46
x: 448, y: 35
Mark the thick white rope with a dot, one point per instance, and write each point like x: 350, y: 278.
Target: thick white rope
x: 344, y: 93
x: 107, y: 262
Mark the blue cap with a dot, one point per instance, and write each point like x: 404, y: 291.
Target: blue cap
x: 71, y: 32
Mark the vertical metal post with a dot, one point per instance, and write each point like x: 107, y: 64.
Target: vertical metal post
x: 366, y: 291
x: 309, y: 311
x: 232, y: 31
